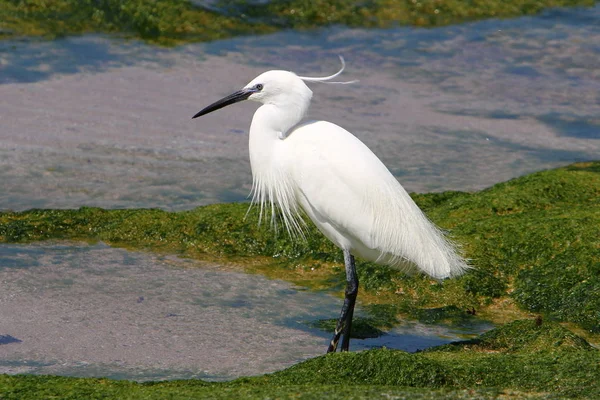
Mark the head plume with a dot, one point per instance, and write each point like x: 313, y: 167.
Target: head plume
x: 326, y: 79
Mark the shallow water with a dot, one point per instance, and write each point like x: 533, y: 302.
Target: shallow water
x: 79, y: 310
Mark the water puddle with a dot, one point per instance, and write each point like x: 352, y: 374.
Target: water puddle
x: 80, y: 310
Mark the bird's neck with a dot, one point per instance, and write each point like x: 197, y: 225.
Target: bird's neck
x: 277, y: 119
x: 271, y: 183
x: 267, y: 129
x: 270, y: 126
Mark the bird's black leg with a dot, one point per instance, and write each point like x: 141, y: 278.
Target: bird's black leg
x: 344, y: 324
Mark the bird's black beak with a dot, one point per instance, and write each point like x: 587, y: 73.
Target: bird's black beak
x: 240, y: 95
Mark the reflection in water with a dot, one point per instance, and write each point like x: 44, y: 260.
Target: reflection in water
x: 98, y: 311
x: 36, y: 60
x: 572, y: 125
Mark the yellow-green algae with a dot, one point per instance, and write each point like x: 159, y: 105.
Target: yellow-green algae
x: 523, y: 359
x: 534, y: 242
x: 169, y: 22
x: 164, y: 22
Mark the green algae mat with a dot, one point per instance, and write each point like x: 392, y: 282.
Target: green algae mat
x: 534, y: 243
x: 170, y: 22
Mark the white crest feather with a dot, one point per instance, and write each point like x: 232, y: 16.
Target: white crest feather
x: 326, y: 79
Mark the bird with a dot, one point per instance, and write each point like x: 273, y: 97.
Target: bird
x: 322, y: 170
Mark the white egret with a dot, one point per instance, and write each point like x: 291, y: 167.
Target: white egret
x: 343, y: 187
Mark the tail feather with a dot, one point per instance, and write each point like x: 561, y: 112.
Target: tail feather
x: 408, y: 240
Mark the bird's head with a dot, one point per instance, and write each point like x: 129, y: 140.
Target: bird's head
x: 277, y: 87
x: 281, y: 88
x: 271, y: 87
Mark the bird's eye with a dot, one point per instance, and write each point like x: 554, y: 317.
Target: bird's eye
x: 259, y: 86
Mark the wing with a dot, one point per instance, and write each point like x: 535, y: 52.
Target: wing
x: 340, y: 178
x: 357, y: 203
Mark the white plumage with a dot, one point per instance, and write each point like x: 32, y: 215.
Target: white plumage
x: 340, y: 184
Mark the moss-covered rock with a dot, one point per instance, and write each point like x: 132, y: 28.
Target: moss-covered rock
x: 530, y: 336
x: 164, y: 22
x: 171, y: 22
